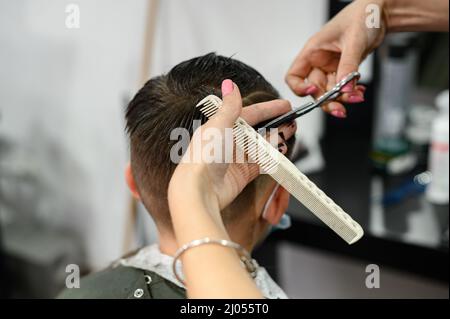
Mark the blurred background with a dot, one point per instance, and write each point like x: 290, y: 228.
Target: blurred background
x: 68, y: 70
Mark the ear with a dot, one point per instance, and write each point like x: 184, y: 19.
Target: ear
x: 278, y: 206
x: 130, y: 181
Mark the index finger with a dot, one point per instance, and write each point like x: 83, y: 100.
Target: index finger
x: 260, y: 112
x: 297, y: 73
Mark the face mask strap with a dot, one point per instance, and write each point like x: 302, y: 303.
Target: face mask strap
x: 266, y: 206
x: 285, y: 221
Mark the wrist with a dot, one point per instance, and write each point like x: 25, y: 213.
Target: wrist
x: 395, y: 15
x: 185, y: 174
x: 197, y: 196
x: 416, y: 15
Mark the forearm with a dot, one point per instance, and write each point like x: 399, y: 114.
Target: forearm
x: 416, y: 15
x: 211, y: 271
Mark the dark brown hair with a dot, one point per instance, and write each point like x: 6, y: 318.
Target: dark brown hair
x: 167, y: 102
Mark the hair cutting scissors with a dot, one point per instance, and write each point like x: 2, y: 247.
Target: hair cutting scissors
x: 331, y: 95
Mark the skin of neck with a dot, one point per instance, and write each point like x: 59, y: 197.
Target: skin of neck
x: 247, y: 233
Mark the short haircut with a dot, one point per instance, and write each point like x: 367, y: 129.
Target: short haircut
x: 167, y: 102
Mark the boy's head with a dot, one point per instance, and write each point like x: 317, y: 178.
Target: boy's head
x: 168, y: 102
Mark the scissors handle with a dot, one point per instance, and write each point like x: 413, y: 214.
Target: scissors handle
x: 333, y: 94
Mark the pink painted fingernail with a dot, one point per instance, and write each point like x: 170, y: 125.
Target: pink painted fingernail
x: 361, y: 88
x: 348, y: 88
x: 339, y: 114
x: 311, y: 90
x: 355, y: 99
x: 227, y: 87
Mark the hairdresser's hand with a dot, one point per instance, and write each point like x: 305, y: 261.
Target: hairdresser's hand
x: 221, y: 183
x: 199, y: 190
x: 335, y: 51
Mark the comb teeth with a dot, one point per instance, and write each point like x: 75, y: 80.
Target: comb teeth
x: 287, y: 175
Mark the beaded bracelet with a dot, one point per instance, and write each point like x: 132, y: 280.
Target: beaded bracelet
x: 250, y: 264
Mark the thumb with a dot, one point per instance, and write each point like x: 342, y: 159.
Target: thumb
x: 231, y: 107
x: 350, y: 60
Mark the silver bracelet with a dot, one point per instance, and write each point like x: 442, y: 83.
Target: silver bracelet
x: 250, y: 264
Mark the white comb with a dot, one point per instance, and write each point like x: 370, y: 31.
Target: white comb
x: 281, y: 169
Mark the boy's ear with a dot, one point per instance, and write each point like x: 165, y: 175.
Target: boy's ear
x: 278, y: 206
x: 131, y: 182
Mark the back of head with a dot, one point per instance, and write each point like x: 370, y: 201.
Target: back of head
x: 168, y: 102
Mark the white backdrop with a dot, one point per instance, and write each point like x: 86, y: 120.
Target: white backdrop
x: 63, y: 93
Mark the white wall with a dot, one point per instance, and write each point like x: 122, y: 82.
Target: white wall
x: 63, y: 93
